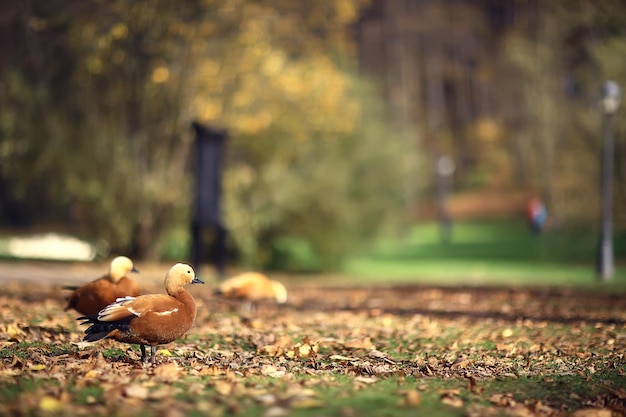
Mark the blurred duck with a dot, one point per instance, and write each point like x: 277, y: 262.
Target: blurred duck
x: 94, y: 296
x: 148, y: 320
x: 252, y: 287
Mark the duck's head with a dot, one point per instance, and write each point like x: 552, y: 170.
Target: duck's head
x: 120, y: 267
x: 280, y: 292
x: 178, y: 276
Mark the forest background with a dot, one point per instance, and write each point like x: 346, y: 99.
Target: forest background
x: 337, y: 114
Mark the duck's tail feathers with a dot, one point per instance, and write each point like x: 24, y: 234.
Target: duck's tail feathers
x: 101, y: 329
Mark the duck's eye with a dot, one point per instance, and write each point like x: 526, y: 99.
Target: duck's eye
x: 188, y: 271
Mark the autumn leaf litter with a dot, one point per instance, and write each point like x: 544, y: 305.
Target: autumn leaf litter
x: 284, y: 358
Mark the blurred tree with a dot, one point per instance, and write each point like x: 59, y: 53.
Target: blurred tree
x: 508, y: 88
x: 311, y: 160
x: 100, y: 95
x: 556, y: 119
x: 97, y: 98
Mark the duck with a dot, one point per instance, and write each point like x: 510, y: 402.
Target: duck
x: 252, y: 287
x: 151, y: 319
x: 95, y: 295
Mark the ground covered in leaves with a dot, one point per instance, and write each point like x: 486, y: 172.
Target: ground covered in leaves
x: 330, y: 351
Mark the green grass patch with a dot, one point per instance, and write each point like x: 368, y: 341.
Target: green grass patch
x: 562, y: 391
x: 383, y: 398
x: 23, y: 349
x: 11, y: 390
x: 494, y: 252
x: 116, y: 353
x: 86, y: 395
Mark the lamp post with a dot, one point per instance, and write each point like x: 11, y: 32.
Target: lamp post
x: 445, y: 170
x: 610, y: 104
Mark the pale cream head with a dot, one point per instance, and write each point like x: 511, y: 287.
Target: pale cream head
x: 280, y: 292
x: 178, y: 276
x: 120, y: 266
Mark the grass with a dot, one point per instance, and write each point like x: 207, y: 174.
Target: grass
x: 24, y: 349
x: 383, y: 399
x: 488, y: 252
x: 12, y: 390
x: 566, y: 390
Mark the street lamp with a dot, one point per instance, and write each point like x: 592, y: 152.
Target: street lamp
x: 445, y: 170
x: 610, y: 104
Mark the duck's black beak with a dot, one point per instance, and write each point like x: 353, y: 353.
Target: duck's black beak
x: 134, y: 270
x: 197, y: 280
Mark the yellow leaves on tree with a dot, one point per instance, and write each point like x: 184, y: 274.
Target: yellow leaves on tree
x: 257, y: 84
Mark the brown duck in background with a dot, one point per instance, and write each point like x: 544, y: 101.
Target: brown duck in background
x: 252, y: 287
x: 148, y: 320
x: 96, y: 295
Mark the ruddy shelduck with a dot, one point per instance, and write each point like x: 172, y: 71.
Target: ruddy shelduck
x: 94, y: 296
x: 148, y: 320
x: 252, y: 287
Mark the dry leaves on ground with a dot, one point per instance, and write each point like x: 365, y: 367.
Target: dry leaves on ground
x: 476, y: 343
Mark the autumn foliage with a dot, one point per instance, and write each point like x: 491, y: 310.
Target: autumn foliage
x: 105, y: 130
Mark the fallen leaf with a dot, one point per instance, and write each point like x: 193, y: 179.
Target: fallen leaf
x: 92, y: 374
x: 303, y: 403
x: 164, y: 352
x: 455, y: 402
x: 412, y: 398
x: 305, y: 349
x: 365, y: 343
x: 14, y: 333
x: 593, y: 412
x: 265, y: 399
x: 270, y: 350
x: 81, y: 345
x: 340, y: 358
x: 162, y: 392
x: 223, y: 388
x: 272, y: 371
x: 365, y: 379
x: 50, y: 404
x: 168, y: 371
x: 136, y: 391
x: 503, y: 400
x: 377, y: 354
x: 276, y: 412
x: 451, y: 397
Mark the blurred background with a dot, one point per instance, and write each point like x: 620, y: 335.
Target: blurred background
x: 385, y: 139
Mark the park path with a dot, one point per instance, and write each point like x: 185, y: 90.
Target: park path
x: 560, y: 304
x: 70, y: 273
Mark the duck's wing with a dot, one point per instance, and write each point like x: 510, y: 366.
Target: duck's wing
x: 129, y: 307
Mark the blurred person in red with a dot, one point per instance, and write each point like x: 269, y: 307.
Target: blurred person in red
x: 537, y: 215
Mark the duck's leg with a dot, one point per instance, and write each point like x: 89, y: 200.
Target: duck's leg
x: 144, y: 358
x: 152, y: 354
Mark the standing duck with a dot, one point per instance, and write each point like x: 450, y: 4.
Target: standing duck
x: 94, y: 296
x: 252, y: 287
x: 148, y: 320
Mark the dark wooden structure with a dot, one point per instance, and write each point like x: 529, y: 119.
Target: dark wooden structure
x: 206, y: 214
